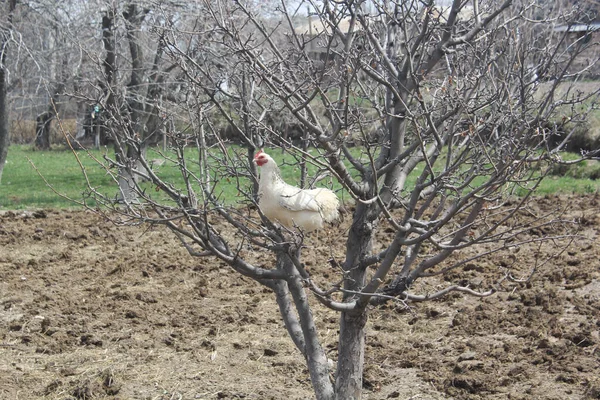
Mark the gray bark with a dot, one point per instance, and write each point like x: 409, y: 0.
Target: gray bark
x: 4, y: 132
x: 316, y: 358
x: 42, y: 130
x: 290, y: 320
x: 351, y: 356
x: 129, y: 159
x: 109, y: 65
x: 351, y: 347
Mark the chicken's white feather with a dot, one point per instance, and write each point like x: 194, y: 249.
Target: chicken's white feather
x: 291, y: 206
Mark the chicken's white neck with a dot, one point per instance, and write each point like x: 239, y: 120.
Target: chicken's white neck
x: 269, y: 174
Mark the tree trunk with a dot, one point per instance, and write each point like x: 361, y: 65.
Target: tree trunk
x: 42, y: 130
x: 138, y: 121
x: 110, y: 67
x: 203, y: 153
x: 315, y: 356
x: 127, y: 184
x: 44, y: 120
x: 290, y: 319
x: 351, y: 356
x: 128, y: 159
x: 4, y: 132
x: 396, y: 126
x: 351, y: 347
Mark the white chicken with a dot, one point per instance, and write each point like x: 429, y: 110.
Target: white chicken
x: 292, y: 207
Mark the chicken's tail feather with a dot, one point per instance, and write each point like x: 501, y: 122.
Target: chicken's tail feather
x: 329, y: 205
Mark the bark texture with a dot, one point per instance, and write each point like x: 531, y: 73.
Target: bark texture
x: 351, y: 356
x: 42, y: 130
x: 4, y: 132
x: 351, y: 348
x: 314, y: 354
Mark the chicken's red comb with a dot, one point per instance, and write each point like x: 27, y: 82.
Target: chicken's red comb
x: 258, y: 153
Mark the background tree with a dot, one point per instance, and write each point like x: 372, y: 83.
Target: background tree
x: 53, y: 56
x: 47, y: 62
x: 8, y: 8
x: 427, y: 118
x: 131, y: 83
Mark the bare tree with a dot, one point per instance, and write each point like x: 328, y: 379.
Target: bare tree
x: 429, y: 117
x: 44, y: 61
x: 54, y: 58
x: 8, y: 8
x: 132, y: 82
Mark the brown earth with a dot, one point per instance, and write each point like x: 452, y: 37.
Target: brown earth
x: 89, y: 310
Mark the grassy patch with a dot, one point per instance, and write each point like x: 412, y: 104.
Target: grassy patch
x: 565, y: 184
x: 589, y: 169
x: 22, y: 187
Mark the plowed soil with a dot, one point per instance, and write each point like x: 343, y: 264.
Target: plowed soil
x: 90, y: 310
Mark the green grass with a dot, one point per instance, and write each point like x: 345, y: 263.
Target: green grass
x: 565, y: 184
x: 22, y: 187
